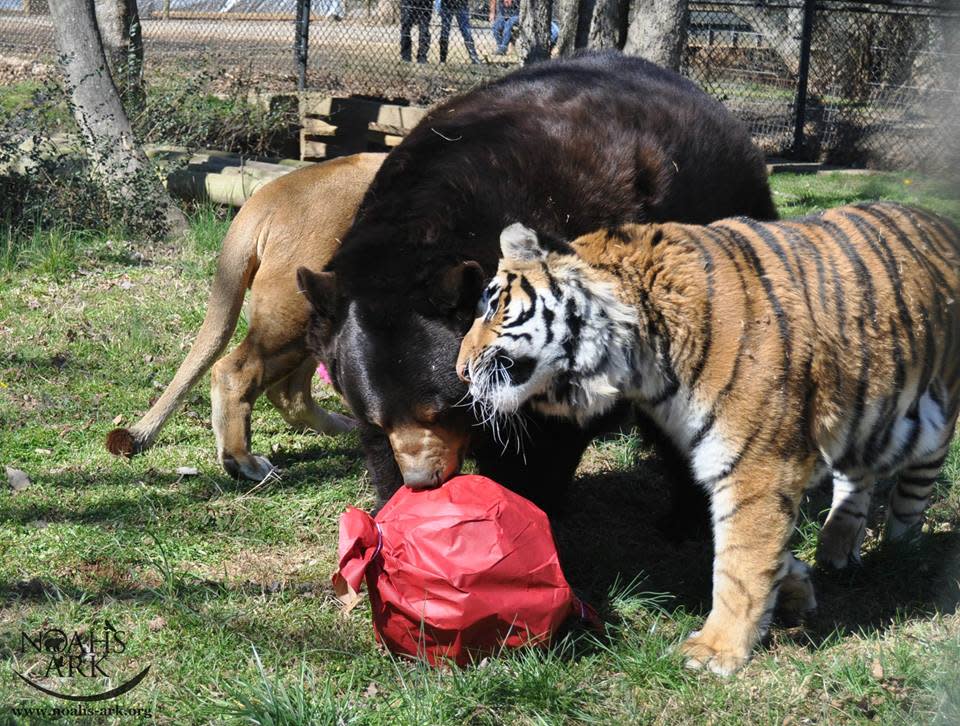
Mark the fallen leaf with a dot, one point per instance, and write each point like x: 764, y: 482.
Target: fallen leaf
x: 118, y: 419
x: 18, y: 479
x: 33, y: 303
x: 187, y: 470
x: 876, y: 669
x: 371, y: 690
x: 158, y: 623
x: 42, y: 452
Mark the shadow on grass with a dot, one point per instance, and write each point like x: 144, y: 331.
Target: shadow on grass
x: 124, y: 500
x: 608, y: 536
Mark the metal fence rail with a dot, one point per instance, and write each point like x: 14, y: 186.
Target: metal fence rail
x: 846, y: 81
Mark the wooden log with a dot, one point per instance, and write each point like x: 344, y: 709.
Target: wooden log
x: 382, y: 139
x: 341, y: 111
x: 318, y: 126
x: 232, y: 189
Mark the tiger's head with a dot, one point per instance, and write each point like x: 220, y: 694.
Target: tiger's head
x: 550, y: 330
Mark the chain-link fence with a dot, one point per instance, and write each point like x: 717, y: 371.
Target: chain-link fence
x: 845, y: 81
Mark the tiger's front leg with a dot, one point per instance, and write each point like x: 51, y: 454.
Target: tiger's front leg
x: 753, y: 511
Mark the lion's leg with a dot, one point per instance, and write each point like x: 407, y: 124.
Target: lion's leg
x: 293, y: 398
x: 236, y: 382
x: 754, y: 511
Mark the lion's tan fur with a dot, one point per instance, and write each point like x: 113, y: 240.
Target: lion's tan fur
x: 296, y: 220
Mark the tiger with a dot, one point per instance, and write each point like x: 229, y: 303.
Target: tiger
x: 774, y: 354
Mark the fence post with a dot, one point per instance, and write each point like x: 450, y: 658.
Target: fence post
x: 800, y: 108
x: 301, y: 42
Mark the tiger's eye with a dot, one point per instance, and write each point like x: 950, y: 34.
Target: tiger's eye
x: 488, y: 304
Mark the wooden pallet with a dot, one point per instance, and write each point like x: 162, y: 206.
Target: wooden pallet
x: 333, y: 126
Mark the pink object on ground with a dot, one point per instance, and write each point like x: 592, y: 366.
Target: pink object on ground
x: 324, y: 374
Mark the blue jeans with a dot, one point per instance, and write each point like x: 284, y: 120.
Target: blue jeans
x: 463, y: 21
x: 502, y: 30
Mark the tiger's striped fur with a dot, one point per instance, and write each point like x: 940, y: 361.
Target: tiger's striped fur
x: 772, y: 353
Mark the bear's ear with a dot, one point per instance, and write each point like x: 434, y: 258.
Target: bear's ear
x: 520, y: 243
x: 320, y: 289
x: 458, y: 287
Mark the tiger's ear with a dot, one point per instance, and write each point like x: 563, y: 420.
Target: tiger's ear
x: 520, y: 243
x: 320, y: 289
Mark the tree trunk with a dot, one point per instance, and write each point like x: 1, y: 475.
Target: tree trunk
x: 119, y: 24
x: 607, y: 25
x: 122, y: 168
x: 533, y: 40
x: 568, y: 17
x: 658, y: 31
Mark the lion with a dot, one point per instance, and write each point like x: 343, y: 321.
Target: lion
x: 295, y: 220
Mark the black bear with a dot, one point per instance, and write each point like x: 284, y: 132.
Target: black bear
x: 565, y: 147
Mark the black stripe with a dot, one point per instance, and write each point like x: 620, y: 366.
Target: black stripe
x: 740, y: 506
x: 706, y: 322
x: 919, y: 481
x: 801, y: 241
x: 878, y: 244
x: 573, y: 325
x: 879, y: 438
x: 783, y: 325
x: 529, y: 312
x: 850, y: 512
x: 859, y: 402
x: 548, y: 317
x: 763, y: 231
x: 868, y: 294
x: 902, y: 493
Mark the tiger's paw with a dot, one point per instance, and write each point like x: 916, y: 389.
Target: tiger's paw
x: 796, y: 597
x: 705, y: 652
x: 840, y: 541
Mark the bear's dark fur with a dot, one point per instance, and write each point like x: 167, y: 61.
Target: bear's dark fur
x: 564, y: 147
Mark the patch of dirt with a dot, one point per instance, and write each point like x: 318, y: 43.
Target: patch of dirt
x: 271, y: 566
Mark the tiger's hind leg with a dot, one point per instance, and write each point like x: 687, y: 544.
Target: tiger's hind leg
x: 846, y: 525
x: 911, y: 495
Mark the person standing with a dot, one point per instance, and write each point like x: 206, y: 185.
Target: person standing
x: 419, y: 12
x: 504, y: 14
x: 461, y: 10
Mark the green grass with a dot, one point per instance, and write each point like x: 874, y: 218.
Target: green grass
x: 224, y: 589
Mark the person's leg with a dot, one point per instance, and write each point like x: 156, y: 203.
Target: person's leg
x: 406, y: 25
x: 423, y: 48
x: 508, y: 33
x: 497, y: 29
x: 446, y: 18
x: 463, y: 20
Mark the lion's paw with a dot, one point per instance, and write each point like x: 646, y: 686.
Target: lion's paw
x: 248, y: 466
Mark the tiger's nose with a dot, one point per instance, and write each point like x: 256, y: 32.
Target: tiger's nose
x: 462, y: 373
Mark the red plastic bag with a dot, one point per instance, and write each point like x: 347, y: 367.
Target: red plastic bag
x: 456, y: 572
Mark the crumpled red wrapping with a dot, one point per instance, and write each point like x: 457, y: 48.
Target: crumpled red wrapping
x: 456, y: 572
